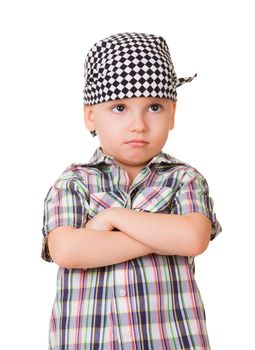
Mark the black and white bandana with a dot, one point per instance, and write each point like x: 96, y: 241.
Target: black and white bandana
x: 128, y: 65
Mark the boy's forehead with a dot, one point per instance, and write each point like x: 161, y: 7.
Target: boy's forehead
x: 136, y: 101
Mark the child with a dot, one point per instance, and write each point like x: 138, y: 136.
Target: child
x: 125, y: 227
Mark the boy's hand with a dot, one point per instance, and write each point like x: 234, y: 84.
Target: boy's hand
x: 101, y: 221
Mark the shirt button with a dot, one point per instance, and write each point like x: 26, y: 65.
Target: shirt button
x: 122, y: 292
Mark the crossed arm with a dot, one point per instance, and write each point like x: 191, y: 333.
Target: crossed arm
x: 140, y: 233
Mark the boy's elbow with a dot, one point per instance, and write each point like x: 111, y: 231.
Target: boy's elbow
x: 200, y: 242
x: 201, y: 232
x: 59, y: 247
x: 192, y: 247
x: 199, y: 248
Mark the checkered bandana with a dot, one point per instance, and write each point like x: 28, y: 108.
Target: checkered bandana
x: 130, y: 65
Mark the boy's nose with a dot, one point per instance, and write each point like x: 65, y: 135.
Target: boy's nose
x: 138, y: 121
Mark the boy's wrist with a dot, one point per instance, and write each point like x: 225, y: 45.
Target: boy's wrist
x: 113, y: 215
x: 120, y: 214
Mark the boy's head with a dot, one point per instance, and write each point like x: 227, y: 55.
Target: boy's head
x: 130, y: 92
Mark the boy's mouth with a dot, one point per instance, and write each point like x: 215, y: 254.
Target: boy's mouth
x: 137, y: 142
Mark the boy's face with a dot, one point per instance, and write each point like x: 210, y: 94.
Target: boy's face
x: 140, y: 118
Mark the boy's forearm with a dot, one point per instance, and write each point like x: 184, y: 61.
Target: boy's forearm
x: 168, y: 234
x: 86, y: 248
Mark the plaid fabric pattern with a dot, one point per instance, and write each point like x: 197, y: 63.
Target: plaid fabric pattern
x: 150, y: 302
x: 128, y: 65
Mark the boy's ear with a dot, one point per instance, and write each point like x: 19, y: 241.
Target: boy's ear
x: 173, y: 109
x: 89, y: 117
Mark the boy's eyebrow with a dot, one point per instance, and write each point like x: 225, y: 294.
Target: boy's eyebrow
x: 157, y: 99
x: 161, y: 99
x: 148, y: 100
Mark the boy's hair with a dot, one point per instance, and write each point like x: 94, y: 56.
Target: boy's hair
x: 128, y: 65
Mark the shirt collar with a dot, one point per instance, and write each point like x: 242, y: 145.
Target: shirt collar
x: 100, y: 157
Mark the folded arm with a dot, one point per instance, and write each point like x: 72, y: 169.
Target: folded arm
x: 72, y: 247
x: 140, y: 233
x: 171, y: 234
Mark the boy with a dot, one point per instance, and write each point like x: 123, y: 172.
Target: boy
x: 125, y: 227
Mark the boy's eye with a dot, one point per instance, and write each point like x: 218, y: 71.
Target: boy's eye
x: 155, y: 107
x: 119, y: 108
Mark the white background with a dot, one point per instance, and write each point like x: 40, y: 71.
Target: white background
x: 43, y: 46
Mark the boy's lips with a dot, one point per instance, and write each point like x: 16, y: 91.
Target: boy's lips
x: 137, y: 142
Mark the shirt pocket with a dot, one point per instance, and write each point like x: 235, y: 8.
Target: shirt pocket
x: 102, y: 200
x: 154, y: 199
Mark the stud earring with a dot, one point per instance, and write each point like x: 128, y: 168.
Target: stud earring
x: 93, y: 133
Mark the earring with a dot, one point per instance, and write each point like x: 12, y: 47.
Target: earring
x: 93, y: 133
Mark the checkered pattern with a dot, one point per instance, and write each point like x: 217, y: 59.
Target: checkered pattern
x: 130, y: 65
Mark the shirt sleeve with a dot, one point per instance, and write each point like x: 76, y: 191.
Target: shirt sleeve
x: 193, y: 196
x: 66, y: 204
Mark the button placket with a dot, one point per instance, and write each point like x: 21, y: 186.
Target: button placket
x: 128, y: 202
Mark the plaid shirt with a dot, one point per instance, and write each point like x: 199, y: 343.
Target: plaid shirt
x: 149, y: 302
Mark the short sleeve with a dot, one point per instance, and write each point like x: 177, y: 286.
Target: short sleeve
x: 66, y: 204
x: 193, y: 196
